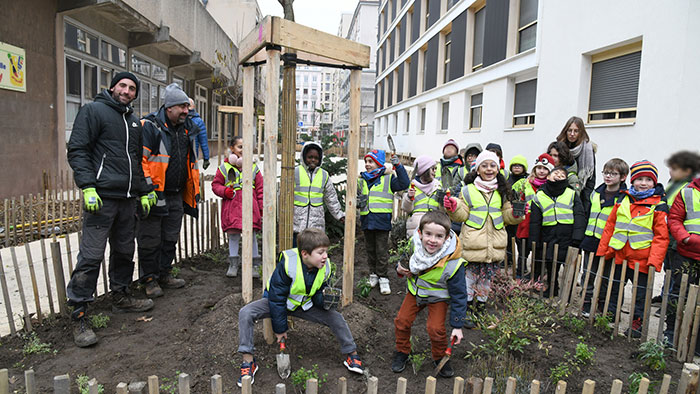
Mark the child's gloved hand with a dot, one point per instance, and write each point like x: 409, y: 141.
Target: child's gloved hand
x: 229, y: 193
x: 450, y: 203
x: 395, y: 160
x: 411, y: 192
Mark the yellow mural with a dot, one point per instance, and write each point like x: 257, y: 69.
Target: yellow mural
x: 13, y: 65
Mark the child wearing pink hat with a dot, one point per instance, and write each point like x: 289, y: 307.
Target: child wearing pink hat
x: 423, y: 195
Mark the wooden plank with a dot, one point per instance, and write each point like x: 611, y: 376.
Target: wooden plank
x: 122, y: 388
x: 288, y: 132
x: 633, y: 301
x: 183, y: 383
x: 665, y: 384
x: 553, y: 271
x: 29, y: 382
x: 647, y: 303
x: 643, y: 386
x: 473, y: 385
x: 351, y: 191
x: 511, y: 383
x: 232, y: 109
x: 153, y: 386
x: 47, y: 280
x: 6, y: 299
x: 255, y: 40
x: 7, y: 223
x: 247, y: 235
x: 512, y: 244
x: 22, y: 218
x: 685, y: 325
x: 664, y: 306
x: 588, y: 387
x: 620, y: 294
x: 689, y: 379
x: 570, y: 271
x: 561, y: 387
x: 586, y: 277
x: 533, y: 262
x: 535, y: 387
x: 280, y: 388
x: 197, y: 225
x: 18, y: 277
x: 679, y: 309
x: 58, y: 275
x: 458, y: 387
x: 69, y: 254
x: 616, y: 386
x: 32, y: 276
x: 61, y: 384
x: 488, y: 382
x: 400, y: 386
x: 4, y: 381
x: 544, y: 259
x: 523, y: 261
x: 372, y: 385
x: 105, y: 281
x: 693, y: 335
x: 608, y: 292
x: 193, y: 237
x: 312, y: 386
x: 430, y: 382
x: 14, y: 222
x: 217, y: 385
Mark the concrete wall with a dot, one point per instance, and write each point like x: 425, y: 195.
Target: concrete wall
x: 236, y: 17
x: 29, y: 119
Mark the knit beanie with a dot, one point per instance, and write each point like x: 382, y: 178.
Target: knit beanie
x: 451, y: 142
x: 485, y: 156
x: 518, y: 160
x: 125, y: 74
x: 377, y: 155
x: 423, y: 164
x: 174, y: 96
x: 544, y: 160
x: 494, y: 146
x: 644, y: 168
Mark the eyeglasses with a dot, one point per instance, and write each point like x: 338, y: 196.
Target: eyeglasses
x: 610, y: 174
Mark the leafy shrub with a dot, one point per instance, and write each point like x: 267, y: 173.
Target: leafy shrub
x: 301, y: 375
x: 574, y: 324
x: 364, y: 286
x: 652, y: 354
x: 99, y: 320
x: 33, y: 345
x: 584, y: 353
x: 82, y: 381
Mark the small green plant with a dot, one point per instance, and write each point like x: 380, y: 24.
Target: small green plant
x: 560, y: 372
x: 169, y: 385
x: 602, y: 322
x: 99, y: 320
x: 584, y: 353
x: 175, y: 271
x: 301, y: 375
x: 365, y: 287
x: 82, y: 381
x: 416, y: 358
x: 652, y: 355
x: 635, y: 378
x: 402, y: 252
x: 33, y: 345
x: 574, y: 324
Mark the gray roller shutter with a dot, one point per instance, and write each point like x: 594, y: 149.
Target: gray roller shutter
x: 458, y: 46
x: 415, y: 22
x: 381, y: 96
x: 390, y: 89
x: 434, y: 12
x: 525, y: 95
x: 431, y: 58
x: 413, y: 75
x: 399, y: 84
x: 402, y: 35
x: 495, y: 31
x: 615, y: 82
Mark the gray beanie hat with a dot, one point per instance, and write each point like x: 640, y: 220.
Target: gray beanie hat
x: 174, y: 96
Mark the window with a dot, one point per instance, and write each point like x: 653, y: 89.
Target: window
x: 313, y: 92
x: 297, y: 104
x: 527, y: 25
x: 424, y: 52
x: 448, y: 55
x: 304, y: 117
x: 524, y: 106
x: 479, y: 25
x: 113, y: 54
x: 328, y: 86
x: 475, y: 112
x: 327, y: 97
x: 306, y: 91
x: 408, y: 122
x: 140, y: 66
x: 445, y: 123
x: 328, y: 77
x: 160, y: 73
x: 306, y: 79
x: 422, y: 120
x: 306, y: 104
x: 426, y: 21
x: 78, y: 39
x: 615, y: 84
x: 179, y: 82
x: 313, y: 79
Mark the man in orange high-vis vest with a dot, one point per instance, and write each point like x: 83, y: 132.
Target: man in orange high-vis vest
x: 170, y: 165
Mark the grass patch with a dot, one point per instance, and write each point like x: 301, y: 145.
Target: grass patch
x: 33, y: 345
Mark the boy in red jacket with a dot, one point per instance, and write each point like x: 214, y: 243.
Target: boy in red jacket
x: 636, y: 231
x: 684, y: 225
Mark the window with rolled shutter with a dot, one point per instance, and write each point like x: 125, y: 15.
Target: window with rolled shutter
x: 615, y: 85
x: 524, y: 106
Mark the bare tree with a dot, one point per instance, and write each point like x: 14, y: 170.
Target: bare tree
x: 288, y: 9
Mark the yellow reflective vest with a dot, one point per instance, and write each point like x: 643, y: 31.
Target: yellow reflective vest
x: 381, y: 199
x: 432, y: 284
x: 559, y: 210
x: 235, y: 181
x: 479, y: 209
x: 307, y: 191
x: 298, y: 295
x: 598, y: 217
x: 691, y: 198
x: 637, y: 231
x: 425, y: 203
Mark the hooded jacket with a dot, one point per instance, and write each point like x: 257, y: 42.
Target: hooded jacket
x: 676, y: 217
x: 202, y: 135
x: 653, y: 255
x: 232, y: 209
x: 315, y: 217
x: 105, y: 147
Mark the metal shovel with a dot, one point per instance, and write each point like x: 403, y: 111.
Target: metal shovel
x: 283, y: 367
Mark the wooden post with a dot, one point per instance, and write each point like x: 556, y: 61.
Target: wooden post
x: 372, y: 385
x: 261, y: 124
x: 515, y: 262
x: 58, y: 274
x: 343, y: 385
x: 184, y: 238
x: 430, y: 382
x: 620, y: 294
x: 14, y: 221
x: 570, y: 270
x: 561, y: 387
x: 289, y: 142
x: 664, y: 306
x: 351, y: 191
x: 591, y: 256
x: 4, y: 381
x: 217, y: 385
x: 616, y: 387
x: 635, y: 283
x: 523, y: 258
x: 269, y: 251
x: 61, y: 384
x: 474, y: 385
x: 122, y: 388
x: 44, y: 262
x: 588, y: 387
x: 544, y: 259
x: 643, y: 386
x: 7, y: 223
x: 679, y: 309
x: 511, y: 383
x: 400, y: 386
x: 280, y: 388
x: 535, y: 387
x: 153, y: 386
x: 488, y: 382
x: 554, y: 278
x: 665, y: 384
x: 93, y: 386
x: 183, y: 383
x: 458, y: 387
x: 69, y: 255
x: 29, y: 382
x: 18, y: 278
x: 689, y: 379
x: 193, y: 237
x: 608, y: 292
x: 6, y: 299
x: 685, y: 325
x: 311, y: 384
x: 219, y: 159
x: 534, y: 262
x: 35, y: 287
x: 247, y: 235
x: 647, y: 303
x: 22, y: 220
x: 693, y: 334
x: 105, y: 281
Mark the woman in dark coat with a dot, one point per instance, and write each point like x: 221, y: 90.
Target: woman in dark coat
x: 583, y: 151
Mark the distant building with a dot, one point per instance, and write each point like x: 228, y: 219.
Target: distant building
x: 313, y: 98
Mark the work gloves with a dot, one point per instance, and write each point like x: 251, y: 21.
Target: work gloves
x: 394, y: 160
x: 93, y: 202
x: 147, y: 201
x: 229, y: 193
x: 362, y: 201
x: 205, y: 164
x: 450, y: 203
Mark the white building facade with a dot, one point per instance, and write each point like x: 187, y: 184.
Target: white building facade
x: 313, y: 98
x: 512, y: 72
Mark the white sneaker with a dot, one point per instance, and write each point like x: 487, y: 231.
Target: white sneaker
x: 384, y: 286
x: 373, y: 280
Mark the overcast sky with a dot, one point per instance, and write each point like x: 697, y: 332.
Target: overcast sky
x: 323, y: 15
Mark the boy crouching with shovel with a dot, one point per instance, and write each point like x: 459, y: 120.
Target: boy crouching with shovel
x: 435, y: 278
x: 296, y: 288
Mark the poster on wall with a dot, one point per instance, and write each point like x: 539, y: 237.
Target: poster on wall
x: 12, y: 68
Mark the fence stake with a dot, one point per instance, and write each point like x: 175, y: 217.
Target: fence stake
x: 47, y: 280
x: 687, y: 320
x: 61, y: 384
x: 122, y: 388
x: 694, y: 335
x: 473, y: 385
x: 312, y: 386
x: 32, y: 274
x: 183, y: 383
x: 511, y: 383
x: 14, y: 221
x: 544, y: 264
x: 552, y: 272
x: 570, y: 271
x: 647, y: 303
x: 488, y: 383
x: 153, y: 386
x: 596, y: 289
x: 533, y: 262
x: 4, y: 381
x: 22, y: 219
x: 18, y: 278
x: 458, y: 387
x: 372, y: 385
x: 280, y: 388
x: 643, y: 386
x: 430, y: 384
x: 69, y: 254
x: 620, y: 294
x: 523, y: 258
x: 7, y: 223
x: 184, y: 231
x: 193, y: 236
x: 588, y: 386
x: 513, y: 247
x: 689, y: 379
x: 400, y: 386
x: 93, y: 387
x: 58, y: 274
x: 608, y: 291
x: 633, y: 301
x: 200, y: 212
x: 6, y: 299
x: 105, y: 281
x: 664, y: 306
x: 561, y: 387
x: 535, y: 387
x: 679, y: 309
x: 217, y: 385
x: 29, y: 382
x: 616, y: 385
x: 665, y: 384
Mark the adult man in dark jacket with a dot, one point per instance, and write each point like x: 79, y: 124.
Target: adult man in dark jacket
x: 104, y: 152
x: 202, y: 136
x: 170, y: 165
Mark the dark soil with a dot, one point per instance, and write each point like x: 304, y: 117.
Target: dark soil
x: 194, y: 330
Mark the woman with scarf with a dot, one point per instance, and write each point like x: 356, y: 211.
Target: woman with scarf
x: 484, y: 208
x: 424, y: 194
x: 583, y: 151
x: 557, y: 218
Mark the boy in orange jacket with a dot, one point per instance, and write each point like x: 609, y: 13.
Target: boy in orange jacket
x: 636, y: 231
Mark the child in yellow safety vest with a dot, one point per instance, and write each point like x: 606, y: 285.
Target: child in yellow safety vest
x: 296, y: 288
x: 557, y: 218
x: 484, y: 208
x: 603, y: 199
x: 424, y: 194
x: 636, y: 232
x: 518, y: 172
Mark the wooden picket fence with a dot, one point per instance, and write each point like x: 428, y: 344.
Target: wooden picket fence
x: 687, y: 384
